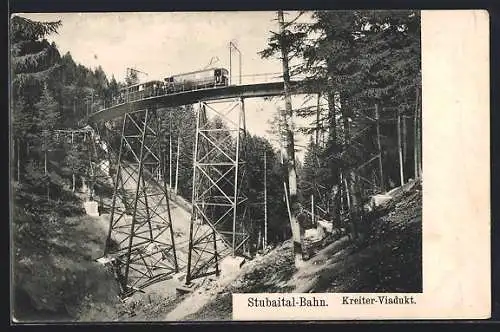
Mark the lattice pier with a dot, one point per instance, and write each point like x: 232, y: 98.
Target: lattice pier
x: 140, y: 245
x: 219, y: 203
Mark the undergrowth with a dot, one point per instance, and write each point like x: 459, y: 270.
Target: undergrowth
x: 54, y: 250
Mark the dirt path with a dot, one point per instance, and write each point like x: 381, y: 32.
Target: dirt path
x: 387, y: 261
x: 390, y: 260
x: 307, y: 276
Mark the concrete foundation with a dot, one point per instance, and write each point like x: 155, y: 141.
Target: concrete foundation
x: 91, y: 208
x: 377, y: 201
x: 184, y: 289
x: 230, y: 265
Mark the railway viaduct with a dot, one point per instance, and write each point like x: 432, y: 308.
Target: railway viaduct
x: 140, y: 222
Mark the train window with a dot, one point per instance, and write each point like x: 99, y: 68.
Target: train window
x: 217, y: 72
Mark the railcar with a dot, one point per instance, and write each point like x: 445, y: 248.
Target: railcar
x: 201, y: 79
x: 140, y: 91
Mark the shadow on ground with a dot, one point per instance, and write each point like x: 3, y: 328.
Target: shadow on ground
x: 388, y: 261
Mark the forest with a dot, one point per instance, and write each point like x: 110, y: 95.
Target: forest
x: 366, y: 64
x: 364, y: 137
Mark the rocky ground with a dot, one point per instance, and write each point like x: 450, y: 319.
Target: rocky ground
x: 60, y: 280
x: 55, y: 272
x: 389, y: 260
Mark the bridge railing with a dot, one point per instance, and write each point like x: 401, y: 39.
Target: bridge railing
x: 264, y: 78
x: 258, y: 78
x: 243, y: 80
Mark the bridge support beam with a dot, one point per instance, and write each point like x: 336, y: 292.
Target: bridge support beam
x: 140, y: 243
x: 219, y: 202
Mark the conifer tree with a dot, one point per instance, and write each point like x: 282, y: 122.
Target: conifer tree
x: 357, y: 59
x: 284, y: 44
x: 33, y: 60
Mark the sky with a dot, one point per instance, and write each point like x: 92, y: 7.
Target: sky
x: 162, y: 44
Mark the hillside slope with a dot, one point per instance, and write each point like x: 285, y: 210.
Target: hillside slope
x: 390, y: 260
x: 58, y: 279
x: 55, y: 273
x: 54, y: 267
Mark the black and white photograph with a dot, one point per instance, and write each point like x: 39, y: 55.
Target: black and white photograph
x: 161, y: 162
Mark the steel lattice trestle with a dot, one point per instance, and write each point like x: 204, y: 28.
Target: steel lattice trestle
x: 140, y: 242
x: 219, y: 204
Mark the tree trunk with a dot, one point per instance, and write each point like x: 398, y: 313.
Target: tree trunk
x: 416, y: 136
x: 289, y: 151
x: 259, y: 239
x: 265, y: 200
x: 170, y: 159
x: 45, y: 161
x: 419, y: 118
x: 177, y: 164
x: 318, y: 111
x: 18, y: 162
x: 333, y: 144
x: 379, y: 147
x: 354, y: 200
x: 312, y: 211
x: 342, y: 193
x: 404, y: 133
x: 350, y: 177
x: 347, y: 198
x: 400, y: 151
x: 46, y: 173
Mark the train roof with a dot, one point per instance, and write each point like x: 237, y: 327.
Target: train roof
x: 139, y: 84
x: 197, y: 71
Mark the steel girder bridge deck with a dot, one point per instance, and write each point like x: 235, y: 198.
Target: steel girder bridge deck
x: 141, y: 246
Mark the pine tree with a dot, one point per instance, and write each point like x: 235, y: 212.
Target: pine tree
x: 47, y: 115
x: 33, y: 58
x: 112, y: 91
x: 285, y: 44
x: 278, y: 224
x: 33, y: 61
x: 46, y: 119
x: 360, y: 59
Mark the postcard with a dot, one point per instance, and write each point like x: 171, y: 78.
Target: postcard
x: 251, y: 165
